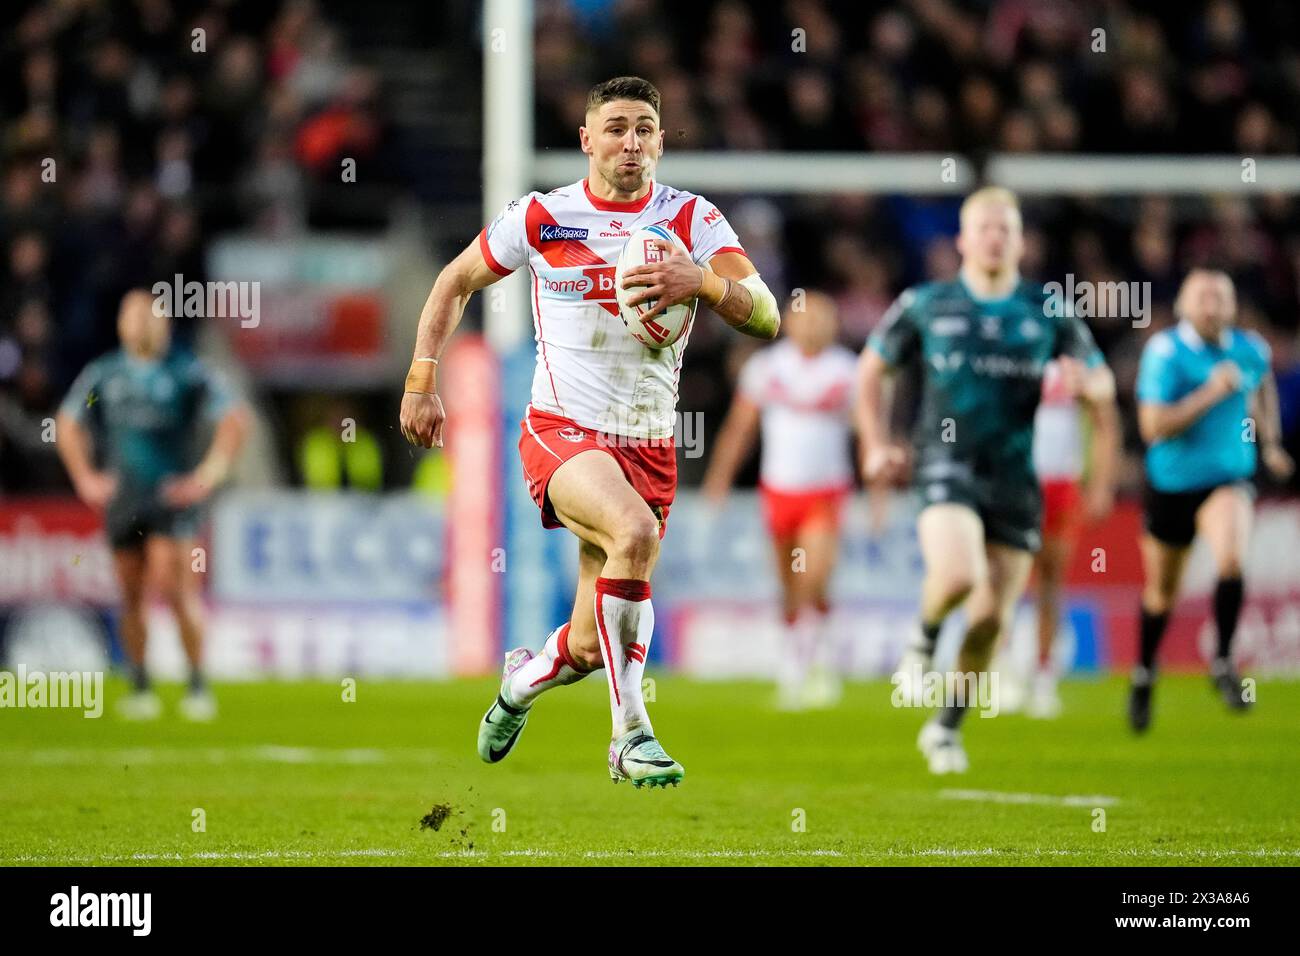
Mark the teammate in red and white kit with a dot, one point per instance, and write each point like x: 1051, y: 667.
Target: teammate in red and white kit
x: 1059, y: 448
x: 597, y: 437
x: 800, y: 392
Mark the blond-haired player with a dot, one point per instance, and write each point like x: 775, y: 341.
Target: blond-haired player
x: 983, y: 341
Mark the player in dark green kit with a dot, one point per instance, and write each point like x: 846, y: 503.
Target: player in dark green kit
x: 132, y: 435
x: 982, y: 342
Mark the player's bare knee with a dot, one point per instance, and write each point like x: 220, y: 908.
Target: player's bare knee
x: 954, y: 587
x: 1229, y: 565
x: 636, y: 540
x: 1156, y: 599
x: 133, y: 603
x: 184, y: 604
x: 132, y: 590
x: 170, y: 594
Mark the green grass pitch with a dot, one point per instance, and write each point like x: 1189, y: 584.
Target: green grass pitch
x: 292, y: 774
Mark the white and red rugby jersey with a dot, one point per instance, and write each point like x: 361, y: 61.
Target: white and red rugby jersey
x: 806, y: 404
x: 589, y: 368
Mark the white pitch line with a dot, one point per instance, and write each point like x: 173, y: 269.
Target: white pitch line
x: 1192, y: 853
x: 204, y: 856
x: 1042, y: 799
x: 266, y: 753
x: 633, y: 857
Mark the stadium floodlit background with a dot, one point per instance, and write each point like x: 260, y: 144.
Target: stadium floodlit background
x: 339, y: 154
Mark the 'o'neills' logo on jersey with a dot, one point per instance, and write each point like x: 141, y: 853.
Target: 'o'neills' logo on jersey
x: 547, y: 232
x: 571, y: 434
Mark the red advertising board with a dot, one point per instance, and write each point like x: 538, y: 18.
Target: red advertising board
x: 53, y: 549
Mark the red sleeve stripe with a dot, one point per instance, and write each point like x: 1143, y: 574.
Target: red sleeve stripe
x: 731, y: 249
x: 490, y: 259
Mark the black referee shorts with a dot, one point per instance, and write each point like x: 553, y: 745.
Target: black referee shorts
x: 1170, y: 516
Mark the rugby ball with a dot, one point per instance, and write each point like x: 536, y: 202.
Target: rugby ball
x: 657, y: 331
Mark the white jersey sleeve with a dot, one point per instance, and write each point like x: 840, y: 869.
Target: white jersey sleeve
x: 753, y: 381
x: 711, y: 234
x: 504, y: 241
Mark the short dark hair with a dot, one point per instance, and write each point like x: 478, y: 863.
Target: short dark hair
x: 623, y: 88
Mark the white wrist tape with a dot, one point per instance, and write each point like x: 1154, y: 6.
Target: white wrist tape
x: 765, y: 317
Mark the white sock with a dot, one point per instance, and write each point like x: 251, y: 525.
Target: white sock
x: 822, y: 654
x: 552, y: 667
x: 625, y: 620
x: 796, y: 654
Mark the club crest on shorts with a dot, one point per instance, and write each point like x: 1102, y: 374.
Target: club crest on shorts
x: 569, y: 433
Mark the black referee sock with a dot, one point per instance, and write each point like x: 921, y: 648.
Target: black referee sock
x: 139, y: 678
x: 1228, y: 597
x: 930, y: 636
x: 1153, y: 629
x: 951, y: 717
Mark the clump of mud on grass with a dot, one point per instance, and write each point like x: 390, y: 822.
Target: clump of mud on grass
x: 436, y: 817
x: 440, y: 814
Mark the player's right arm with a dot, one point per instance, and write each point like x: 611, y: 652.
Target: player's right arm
x: 73, y: 442
x: 896, y: 340
x: 736, y: 438
x: 1160, y: 417
x: 422, y: 415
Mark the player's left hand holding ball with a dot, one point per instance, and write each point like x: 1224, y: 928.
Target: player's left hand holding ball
x: 1277, y: 461
x: 423, y: 418
x: 675, y: 280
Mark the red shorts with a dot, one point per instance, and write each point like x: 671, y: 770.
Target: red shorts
x: 547, y: 441
x: 788, y: 512
x: 1062, y: 508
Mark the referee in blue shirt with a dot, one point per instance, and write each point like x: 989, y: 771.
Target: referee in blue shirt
x: 1206, y: 402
